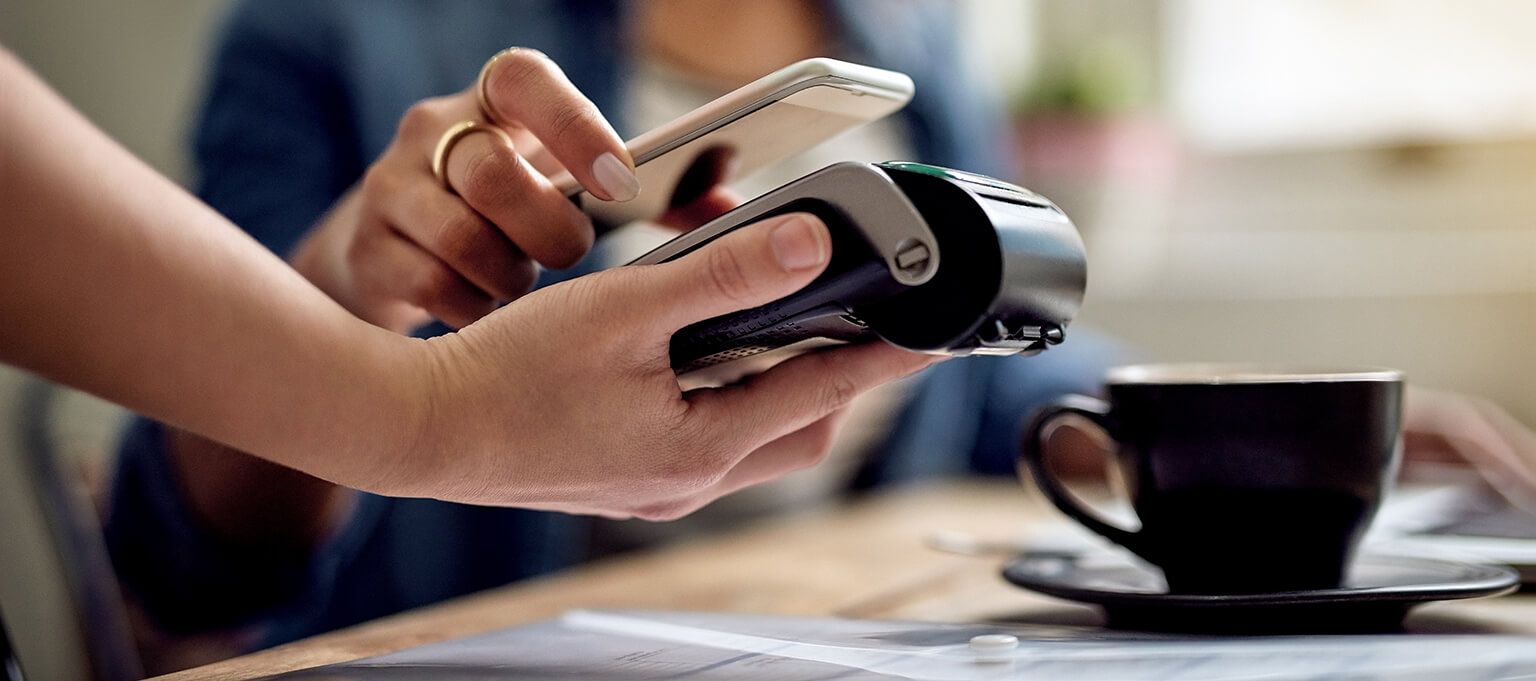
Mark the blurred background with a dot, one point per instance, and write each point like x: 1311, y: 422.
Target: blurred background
x: 1313, y: 181
x: 1316, y: 181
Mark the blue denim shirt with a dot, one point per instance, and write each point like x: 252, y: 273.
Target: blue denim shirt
x: 303, y: 94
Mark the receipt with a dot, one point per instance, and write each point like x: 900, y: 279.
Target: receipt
x: 586, y: 644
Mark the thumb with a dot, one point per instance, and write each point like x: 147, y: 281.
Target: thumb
x: 751, y: 266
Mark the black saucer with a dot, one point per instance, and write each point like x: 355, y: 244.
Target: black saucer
x: 1380, y: 591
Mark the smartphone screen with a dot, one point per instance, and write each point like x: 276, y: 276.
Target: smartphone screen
x: 778, y: 130
x: 771, y: 119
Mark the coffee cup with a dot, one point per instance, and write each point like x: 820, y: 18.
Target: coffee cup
x: 1245, y: 479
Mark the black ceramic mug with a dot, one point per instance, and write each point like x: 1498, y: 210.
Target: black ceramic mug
x: 1245, y: 479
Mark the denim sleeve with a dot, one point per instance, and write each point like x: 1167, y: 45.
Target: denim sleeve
x: 183, y: 576
x: 275, y: 143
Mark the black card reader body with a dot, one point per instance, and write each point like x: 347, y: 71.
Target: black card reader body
x: 925, y: 258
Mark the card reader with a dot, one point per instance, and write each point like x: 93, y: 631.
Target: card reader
x: 924, y: 258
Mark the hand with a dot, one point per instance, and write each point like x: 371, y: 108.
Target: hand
x: 400, y: 248
x: 1441, y: 426
x: 565, y: 399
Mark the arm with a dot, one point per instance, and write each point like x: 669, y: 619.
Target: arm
x: 1440, y: 426
x: 276, y: 149
x: 121, y: 284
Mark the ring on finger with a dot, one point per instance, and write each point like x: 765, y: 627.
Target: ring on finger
x: 482, y: 83
x: 451, y: 137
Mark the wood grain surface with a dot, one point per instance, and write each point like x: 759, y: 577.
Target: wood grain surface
x: 865, y: 560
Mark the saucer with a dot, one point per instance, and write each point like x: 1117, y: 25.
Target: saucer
x: 1380, y: 591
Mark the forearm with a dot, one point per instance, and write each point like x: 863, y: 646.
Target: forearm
x: 191, y: 575
x: 120, y: 283
x: 248, y: 501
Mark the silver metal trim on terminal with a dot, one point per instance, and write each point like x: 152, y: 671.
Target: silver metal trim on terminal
x: 862, y: 192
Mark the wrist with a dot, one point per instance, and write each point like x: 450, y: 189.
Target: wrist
x: 456, y: 443
x: 388, y: 413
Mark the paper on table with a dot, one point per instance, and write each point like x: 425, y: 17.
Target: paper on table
x: 663, y: 645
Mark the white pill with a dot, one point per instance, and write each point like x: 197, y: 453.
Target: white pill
x: 993, y: 647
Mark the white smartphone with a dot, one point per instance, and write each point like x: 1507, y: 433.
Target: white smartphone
x: 770, y: 119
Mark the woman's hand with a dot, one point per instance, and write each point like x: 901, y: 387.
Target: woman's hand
x: 401, y: 248
x: 566, y: 399
x: 1444, y: 426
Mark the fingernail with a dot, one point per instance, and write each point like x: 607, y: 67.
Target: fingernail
x: 615, y: 178
x: 796, y: 245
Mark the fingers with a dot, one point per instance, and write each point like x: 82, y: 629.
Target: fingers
x: 801, y: 391
x: 499, y: 184
x: 754, y: 265
x: 496, y: 213
x: 527, y: 88
x: 796, y: 451
x: 444, y: 226
x: 533, y: 151
x: 402, y: 271
x: 799, y: 450
x: 1479, y: 432
x: 1519, y: 457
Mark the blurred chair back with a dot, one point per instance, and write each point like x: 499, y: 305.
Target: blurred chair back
x: 59, y: 600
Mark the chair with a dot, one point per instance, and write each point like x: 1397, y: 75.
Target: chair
x: 59, y: 601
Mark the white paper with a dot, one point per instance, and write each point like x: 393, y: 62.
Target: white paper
x: 707, y: 647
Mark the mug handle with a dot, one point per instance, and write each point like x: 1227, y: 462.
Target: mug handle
x: 1032, y: 459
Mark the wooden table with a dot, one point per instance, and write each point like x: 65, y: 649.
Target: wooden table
x: 867, y: 560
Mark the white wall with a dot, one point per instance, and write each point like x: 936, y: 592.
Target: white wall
x: 136, y: 67
x: 1422, y: 259
x: 133, y: 67
x: 1324, y: 72
x: 1002, y: 40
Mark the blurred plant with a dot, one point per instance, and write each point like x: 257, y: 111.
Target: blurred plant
x: 1103, y: 78
x: 1086, y: 134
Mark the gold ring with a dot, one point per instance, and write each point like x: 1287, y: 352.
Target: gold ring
x: 481, y: 84
x: 451, y: 137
